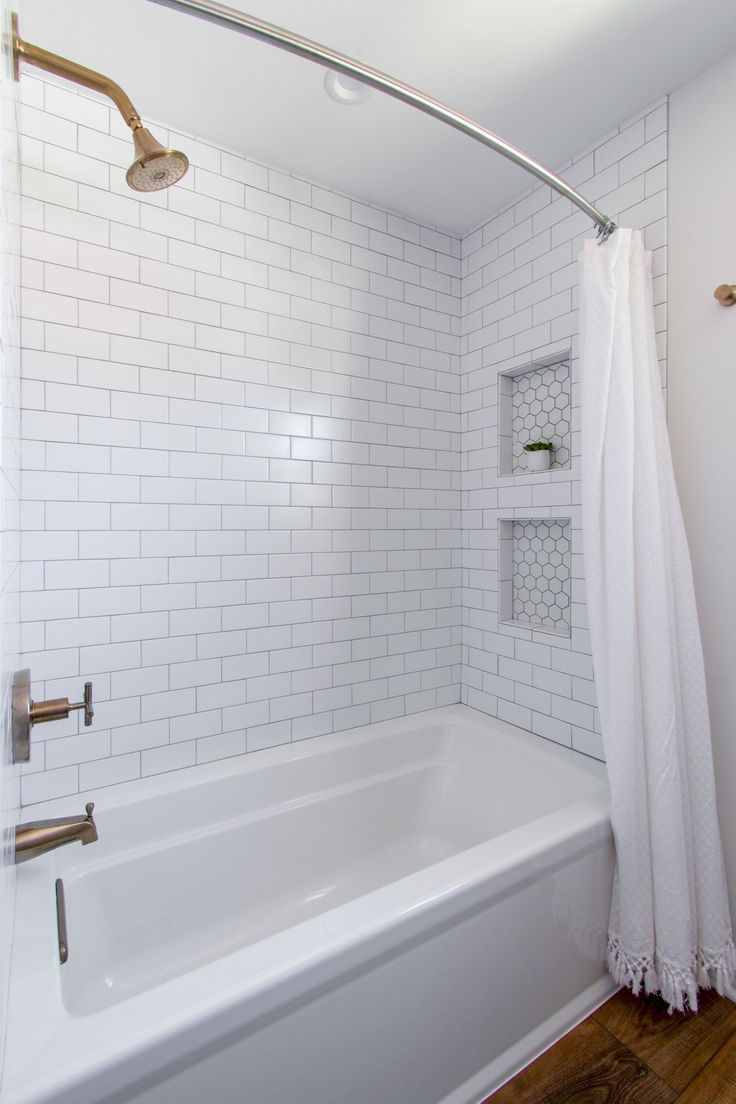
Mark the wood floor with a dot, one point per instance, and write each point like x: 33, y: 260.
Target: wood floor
x: 632, y: 1052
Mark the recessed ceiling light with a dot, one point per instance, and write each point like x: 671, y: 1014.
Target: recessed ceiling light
x: 345, y: 89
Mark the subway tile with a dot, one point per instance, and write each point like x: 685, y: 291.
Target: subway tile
x: 109, y: 600
x: 168, y: 650
x: 109, y: 772
x: 174, y: 757
x: 108, y: 545
x: 196, y: 726
x: 48, y: 307
x: 235, y: 392
x: 77, y: 632
x: 109, y: 431
x: 138, y: 627
x: 71, y: 281
x: 145, y: 680
x: 51, y: 248
x: 104, y: 261
x: 82, y: 227
x: 71, y: 106
x: 139, y: 737
x: 47, y: 127
x: 77, y: 341
x: 49, y: 784
x: 168, y: 704
x: 110, y: 657
x: 143, y: 243
x: 167, y: 596
x: 70, y: 750
x: 221, y: 746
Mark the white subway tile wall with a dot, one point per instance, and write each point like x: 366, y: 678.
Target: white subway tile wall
x: 261, y: 465
x: 519, y: 309
x: 241, y: 421
x: 9, y: 492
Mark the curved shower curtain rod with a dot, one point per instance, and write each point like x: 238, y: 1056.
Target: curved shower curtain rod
x: 224, y: 16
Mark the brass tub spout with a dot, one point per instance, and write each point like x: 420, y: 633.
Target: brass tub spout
x: 39, y: 836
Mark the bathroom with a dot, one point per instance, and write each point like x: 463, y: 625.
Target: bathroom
x: 296, y: 632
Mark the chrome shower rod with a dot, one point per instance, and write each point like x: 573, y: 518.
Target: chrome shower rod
x: 234, y: 20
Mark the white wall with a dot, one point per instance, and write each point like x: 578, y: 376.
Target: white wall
x: 520, y: 285
x: 9, y: 491
x: 702, y: 391
x: 241, y: 454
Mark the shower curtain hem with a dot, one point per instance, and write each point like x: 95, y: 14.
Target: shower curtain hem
x: 708, y: 970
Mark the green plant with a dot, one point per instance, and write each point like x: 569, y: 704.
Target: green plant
x: 538, y: 446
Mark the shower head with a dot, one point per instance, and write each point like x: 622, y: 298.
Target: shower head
x: 155, y: 167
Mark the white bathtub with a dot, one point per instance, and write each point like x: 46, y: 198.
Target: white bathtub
x: 403, y: 914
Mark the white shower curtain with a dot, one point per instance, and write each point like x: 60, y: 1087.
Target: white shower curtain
x: 670, y: 929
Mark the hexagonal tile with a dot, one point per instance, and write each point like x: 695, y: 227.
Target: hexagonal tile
x: 541, y: 573
x: 540, y: 403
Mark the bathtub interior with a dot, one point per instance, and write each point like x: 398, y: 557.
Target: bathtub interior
x: 185, y: 877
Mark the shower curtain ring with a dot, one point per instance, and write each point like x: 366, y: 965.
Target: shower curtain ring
x: 605, y: 229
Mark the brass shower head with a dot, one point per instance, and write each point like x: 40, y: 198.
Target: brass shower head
x: 155, y: 167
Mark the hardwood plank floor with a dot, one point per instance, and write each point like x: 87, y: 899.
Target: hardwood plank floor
x: 676, y: 1047
x: 631, y: 1051
x: 587, y: 1065
x: 716, y: 1084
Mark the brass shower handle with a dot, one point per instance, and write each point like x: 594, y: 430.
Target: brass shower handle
x: 25, y: 713
x: 725, y: 294
x: 56, y: 709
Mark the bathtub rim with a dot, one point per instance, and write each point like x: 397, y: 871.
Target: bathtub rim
x: 121, y: 794
x: 196, y: 1012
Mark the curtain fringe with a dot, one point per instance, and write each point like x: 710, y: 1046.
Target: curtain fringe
x: 708, y: 970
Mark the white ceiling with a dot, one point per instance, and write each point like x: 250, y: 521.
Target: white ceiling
x: 551, y: 77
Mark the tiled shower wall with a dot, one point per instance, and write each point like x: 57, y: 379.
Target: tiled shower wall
x: 242, y: 493
x: 241, y: 455
x: 9, y: 490
x: 520, y: 299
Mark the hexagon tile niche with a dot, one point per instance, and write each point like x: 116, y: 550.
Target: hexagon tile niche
x: 535, y: 405
x: 535, y: 574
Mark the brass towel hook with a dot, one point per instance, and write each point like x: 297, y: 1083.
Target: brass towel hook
x: 725, y: 294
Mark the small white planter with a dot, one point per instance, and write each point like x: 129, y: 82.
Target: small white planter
x: 539, y: 460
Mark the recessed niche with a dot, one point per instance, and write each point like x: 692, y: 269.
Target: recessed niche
x: 534, y: 574
x: 534, y: 404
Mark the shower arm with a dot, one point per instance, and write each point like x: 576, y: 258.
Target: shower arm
x: 71, y: 70
x: 224, y: 16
